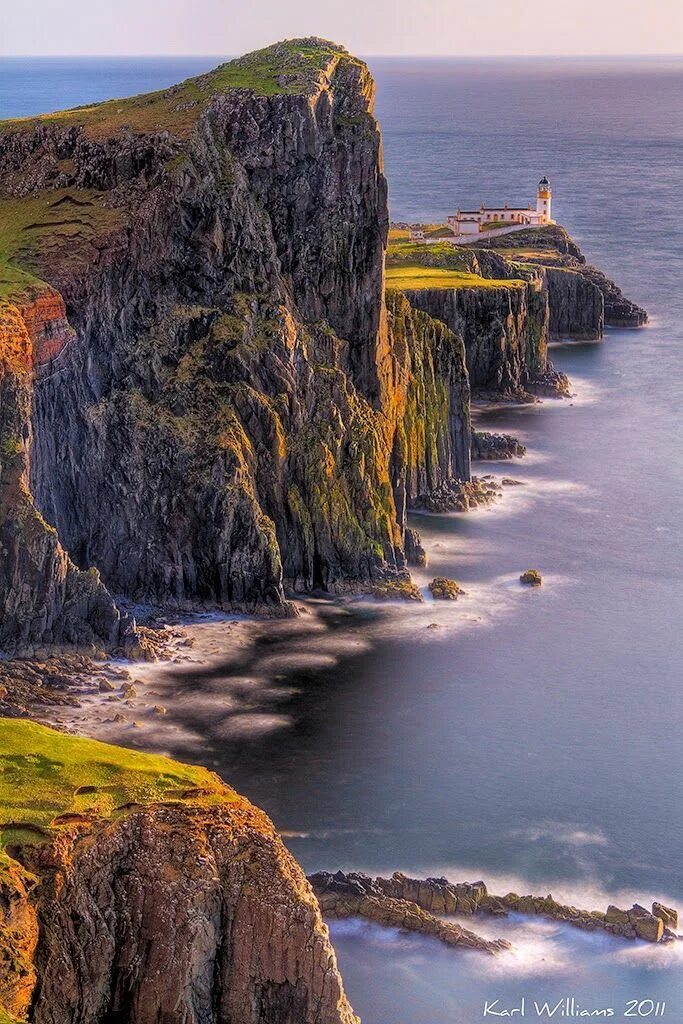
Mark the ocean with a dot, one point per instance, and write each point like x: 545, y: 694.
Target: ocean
x: 532, y: 739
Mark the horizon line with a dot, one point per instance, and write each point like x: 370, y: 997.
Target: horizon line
x: 368, y: 56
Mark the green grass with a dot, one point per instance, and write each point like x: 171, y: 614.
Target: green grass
x: 495, y: 224
x: 416, y: 278
x: 290, y: 67
x: 44, y: 228
x: 45, y: 774
x: 431, y: 231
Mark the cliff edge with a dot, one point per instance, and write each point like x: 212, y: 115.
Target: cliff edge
x: 219, y: 403
x: 137, y: 889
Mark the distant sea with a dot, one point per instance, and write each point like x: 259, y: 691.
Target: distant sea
x: 538, y: 747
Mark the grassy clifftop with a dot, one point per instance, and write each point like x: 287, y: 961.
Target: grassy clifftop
x: 47, y: 776
x: 64, y: 228
x: 413, y: 266
x: 290, y: 67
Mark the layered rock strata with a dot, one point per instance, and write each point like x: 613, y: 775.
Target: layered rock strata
x: 438, y: 896
x: 357, y: 895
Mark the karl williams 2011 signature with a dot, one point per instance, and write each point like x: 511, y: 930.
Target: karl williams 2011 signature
x: 569, y: 1008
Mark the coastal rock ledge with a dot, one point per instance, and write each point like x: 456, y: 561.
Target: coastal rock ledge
x: 417, y: 904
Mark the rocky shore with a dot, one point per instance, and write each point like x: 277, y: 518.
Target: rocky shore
x: 458, y: 495
x: 387, y: 901
x: 211, y: 402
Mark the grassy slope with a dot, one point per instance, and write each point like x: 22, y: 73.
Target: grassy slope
x: 291, y: 67
x: 46, y: 774
x: 43, y: 772
x: 415, y: 278
x: 414, y: 266
x: 58, y: 224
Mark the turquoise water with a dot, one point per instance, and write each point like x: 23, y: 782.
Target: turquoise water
x: 532, y: 739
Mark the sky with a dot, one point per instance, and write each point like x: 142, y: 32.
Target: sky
x: 367, y: 27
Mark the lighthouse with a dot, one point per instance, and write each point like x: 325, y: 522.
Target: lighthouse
x: 543, y: 200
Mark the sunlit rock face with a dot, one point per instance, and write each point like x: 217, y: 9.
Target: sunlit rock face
x: 228, y: 411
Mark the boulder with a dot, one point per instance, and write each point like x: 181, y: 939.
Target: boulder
x: 445, y: 589
x: 667, y: 914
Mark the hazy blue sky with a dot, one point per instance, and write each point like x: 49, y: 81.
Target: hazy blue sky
x: 365, y: 26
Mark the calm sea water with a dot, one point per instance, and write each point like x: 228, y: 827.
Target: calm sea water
x: 532, y: 739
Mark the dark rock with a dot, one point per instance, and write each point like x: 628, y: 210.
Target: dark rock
x: 445, y: 589
x: 495, y: 446
x: 231, y: 408
x: 415, y: 552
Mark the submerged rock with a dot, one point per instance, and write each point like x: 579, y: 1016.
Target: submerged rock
x: 531, y: 578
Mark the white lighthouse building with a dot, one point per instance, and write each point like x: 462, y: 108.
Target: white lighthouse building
x: 544, y: 198
x: 468, y: 225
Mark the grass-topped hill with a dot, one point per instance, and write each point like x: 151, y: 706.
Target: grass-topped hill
x: 48, y: 776
x: 54, y: 232
x: 290, y: 67
x: 418, y: 277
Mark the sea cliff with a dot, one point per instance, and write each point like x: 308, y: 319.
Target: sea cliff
x: 138, y: 889
x: 508, y: 298
x: 225, y: 412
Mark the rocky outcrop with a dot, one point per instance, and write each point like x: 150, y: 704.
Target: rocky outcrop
x: 577, y: 306
x: 438, y: 896
x: 445, y: 589
x: 181, y: 904
x: 178, y: 914
x: 358, y: 895
x: 457, y: 496
x: 488, y: 446
x: 232, y: 412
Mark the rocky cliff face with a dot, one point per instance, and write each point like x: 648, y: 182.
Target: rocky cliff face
x: 44, y: 598
x: 577, y: 306
x: 571, y: 300
x: 505, y: 330
x: 181, y: 914
x: 179, y: 904
x: 510, y: 296
x: 228, y: 413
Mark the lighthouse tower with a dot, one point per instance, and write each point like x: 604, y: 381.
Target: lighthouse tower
x: 543, y: 200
